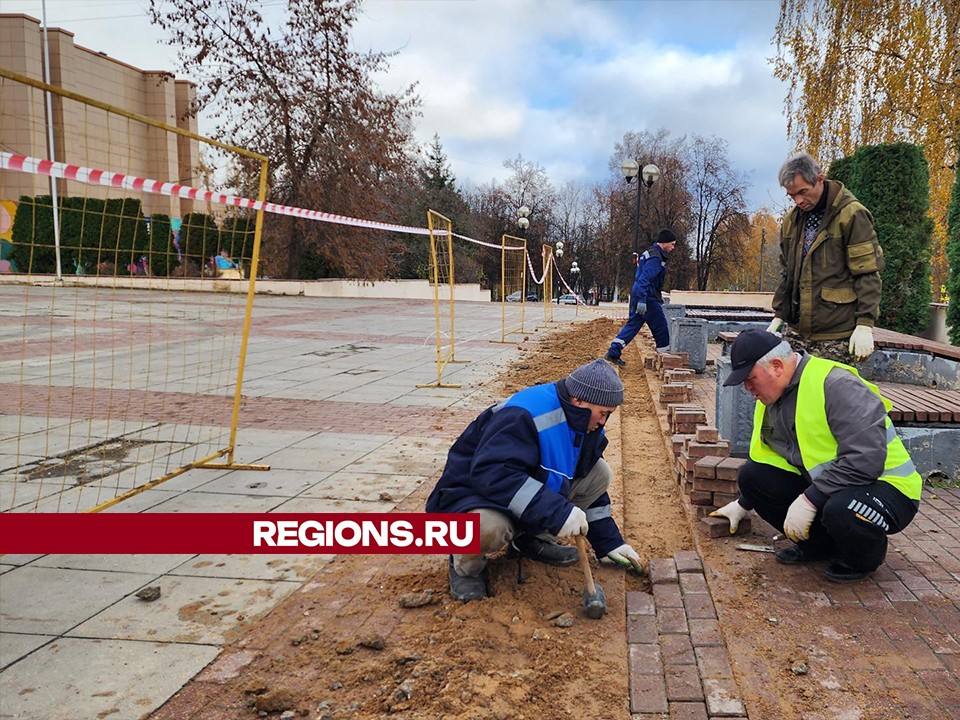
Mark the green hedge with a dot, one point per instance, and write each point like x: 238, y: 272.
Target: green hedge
x: 96, y: 236
x: 892, y: 181
x: 953, y: 260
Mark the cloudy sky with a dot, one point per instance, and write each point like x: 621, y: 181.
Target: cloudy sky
x: 558, y: 81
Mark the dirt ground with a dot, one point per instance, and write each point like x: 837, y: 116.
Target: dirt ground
x: 343, y: 647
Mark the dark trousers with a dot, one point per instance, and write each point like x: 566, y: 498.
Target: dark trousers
x: 654, y: 317
x: 853, y: 525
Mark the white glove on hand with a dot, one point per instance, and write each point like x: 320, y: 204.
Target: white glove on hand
x: 800, y: 517
x: 575, y: 524
x: 642, y: 308
x: 775, y: 326
x: 734, y: 512
x: 626, y: 556
x: 861, y: 342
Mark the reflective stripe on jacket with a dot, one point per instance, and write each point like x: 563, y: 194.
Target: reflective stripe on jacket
x: 559, y: 444
x: 818, y: 446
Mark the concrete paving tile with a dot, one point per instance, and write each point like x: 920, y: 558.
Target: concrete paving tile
x: 32, y: 598
x: 280, y: 483
x: 189, y: 610
x: 204, y: 502
x: 144, y: 500
x: 328, y: 505
x: 343, y: 441
x: 19, y: 560
x: 372, y: 487
x: 100, y: 678
x: 262, y: 567
x: 158, y: 564
x: 14, y: 646
x: 327, y: 459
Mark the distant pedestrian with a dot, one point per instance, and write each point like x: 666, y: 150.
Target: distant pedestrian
x: 646, y: 299
x: 532, y: 468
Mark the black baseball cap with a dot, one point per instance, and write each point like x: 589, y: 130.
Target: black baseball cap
x: 750, y: 346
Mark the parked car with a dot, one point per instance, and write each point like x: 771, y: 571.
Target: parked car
x: 569, y: 299
x: 515, y: 297
x: 532, y: 297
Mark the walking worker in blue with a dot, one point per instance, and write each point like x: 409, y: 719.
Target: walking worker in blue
x: 646, y: 298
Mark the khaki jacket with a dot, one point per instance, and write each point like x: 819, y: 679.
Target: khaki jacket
x: 837, y: 286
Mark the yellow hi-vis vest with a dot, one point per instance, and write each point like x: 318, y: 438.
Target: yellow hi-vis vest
x: 818, y: 447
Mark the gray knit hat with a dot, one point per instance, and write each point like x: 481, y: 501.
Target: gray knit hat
x: 597, y: 383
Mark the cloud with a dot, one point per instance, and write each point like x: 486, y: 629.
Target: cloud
x: 558, y: 81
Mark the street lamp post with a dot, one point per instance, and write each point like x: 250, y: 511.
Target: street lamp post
x: 650, y: 174
x: 523, y: 219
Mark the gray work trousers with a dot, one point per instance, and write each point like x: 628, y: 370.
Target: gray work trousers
x: 498, y: 528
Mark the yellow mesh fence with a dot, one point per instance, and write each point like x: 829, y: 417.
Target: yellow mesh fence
x: 118, y: 372
x: 442, y: 282
x: 513, y: 286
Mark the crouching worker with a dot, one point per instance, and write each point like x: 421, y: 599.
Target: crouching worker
x: 532, y: 469
x: 826, y: 465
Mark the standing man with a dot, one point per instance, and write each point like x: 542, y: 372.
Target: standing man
x: 830, y: 259
x: 646, y: 299
x: 532, y: 468
x: 826, y: 465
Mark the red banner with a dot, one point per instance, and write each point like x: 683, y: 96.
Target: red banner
x: 248, y: 533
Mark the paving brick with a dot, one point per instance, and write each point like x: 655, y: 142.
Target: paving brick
x: 693, y: 583
x: 730, y: 468
x: 640, y: 603
x: 699, y: 605
x: 688, y: 711
x: 663, y: 570
x: 672, y: 620
x: 667, y: 595
x: 648, y: 694
x: 683, y: 682
x: 707, y: 434
x: 714, y: 662
x: 705, y: 632
x: 723, y: 698
x: 644, y: 659
x: 701, y: 498
x: 641, y: 629
x: 706, y: 467
x: 720, y: 527
x: 677, y: 650
x: 688, y: 561
x: 721, y: 486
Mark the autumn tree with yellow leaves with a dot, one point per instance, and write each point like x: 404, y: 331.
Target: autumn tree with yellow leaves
x: 866, y: 72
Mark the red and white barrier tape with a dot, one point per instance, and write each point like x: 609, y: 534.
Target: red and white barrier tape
x: 90, y: 176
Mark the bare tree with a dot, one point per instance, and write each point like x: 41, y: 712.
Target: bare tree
x: 302, y: 96
x: 720, y: 225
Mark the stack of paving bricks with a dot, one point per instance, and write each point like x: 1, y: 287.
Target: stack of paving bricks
x: 678, y: 663
x: 677, y: 386
x: 704, y: 467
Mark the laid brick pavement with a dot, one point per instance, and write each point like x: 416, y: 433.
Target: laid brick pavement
x: 899, y: 626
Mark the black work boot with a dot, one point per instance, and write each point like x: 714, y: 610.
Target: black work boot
x: 839, y: 572
x: 465, y: 587
x: 796, y: 555
x: 615, y: 360
x: 551, y: 553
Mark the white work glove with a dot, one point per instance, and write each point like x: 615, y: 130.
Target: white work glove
x: 626, y: 556
x: 575, y: 524
x: 861, y: 342
x: 800, y: 517
x: 775, y: 326
x: 642, y: 308
x: 734, y: 512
